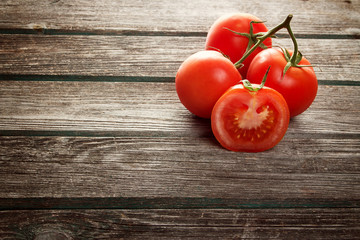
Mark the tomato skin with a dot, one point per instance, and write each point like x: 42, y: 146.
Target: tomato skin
x: 299, y: 85
x: 231, y: 44
x: 250, y: 121
x: 201, y: 80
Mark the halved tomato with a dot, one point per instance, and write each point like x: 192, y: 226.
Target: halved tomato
x: 250, y: 121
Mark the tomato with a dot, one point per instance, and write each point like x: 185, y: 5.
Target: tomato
x: 201, y: 80
x: 298, y: 86
x: 250, y: 121
x: 221, y: 37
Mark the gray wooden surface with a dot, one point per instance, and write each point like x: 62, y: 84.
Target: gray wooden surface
x: 94, y: 143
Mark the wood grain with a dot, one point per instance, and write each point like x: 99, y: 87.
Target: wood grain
x: 140, y: 56
x: 138, y: 203
x: 129, y: 140
x: 311, y: 17
x: 191, y: 167
x: 182, y: 224
x: 149, y: 109
x: 94, y: 143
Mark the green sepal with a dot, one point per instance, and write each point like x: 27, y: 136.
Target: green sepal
x: 299, y: 56
x: 290, y: 64
x: 247, y: 35
x: 286, y: 54
x: 216, y: 49
x: 249, y: 87
x: 298, y: 59
x: 238, y: 33
x: 253, y: 38
x: 287, y: 66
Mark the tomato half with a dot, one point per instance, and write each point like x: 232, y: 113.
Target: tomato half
x: 201, y: 80
x: 299, y: 85
x: 221, y: 37
x: 248, y: 121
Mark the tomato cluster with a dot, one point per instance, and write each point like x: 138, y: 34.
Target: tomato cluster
x: 246, y: 115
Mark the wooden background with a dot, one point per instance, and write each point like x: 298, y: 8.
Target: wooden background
x: 94, y: 143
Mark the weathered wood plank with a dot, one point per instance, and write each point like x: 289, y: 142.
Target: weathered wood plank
x: 322, y: 16
x: 136, y: 203
x: 149, y: 56
x: 177, y: 154
x: 65, y: 144
x: 149, y: 109
x: 177, y: 167
x: 182, y: 224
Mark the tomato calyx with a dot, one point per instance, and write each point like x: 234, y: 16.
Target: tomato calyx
x: 253, y: 38
x: 260, y: 38
x: 292, y: 61
x: 248, y: 85
x: 256, y: 40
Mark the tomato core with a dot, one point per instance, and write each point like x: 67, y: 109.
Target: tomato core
x: 252, y: 124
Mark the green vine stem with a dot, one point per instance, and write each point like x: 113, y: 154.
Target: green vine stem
x: 270, y: 33
x: 293, y: 61
x: 292, y: 36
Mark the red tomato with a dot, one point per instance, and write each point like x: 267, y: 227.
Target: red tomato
x: 231, y: 44
x: 298, y: 86
x: 248, y: 121
x: 202, y: 79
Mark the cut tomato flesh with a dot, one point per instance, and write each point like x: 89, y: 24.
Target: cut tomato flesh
x: 250, y: 121
x: 251, y: 124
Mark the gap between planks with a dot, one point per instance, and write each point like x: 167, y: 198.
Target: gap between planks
x: 48, y: 203
x: 48, y: 31
x: 84, y: 78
